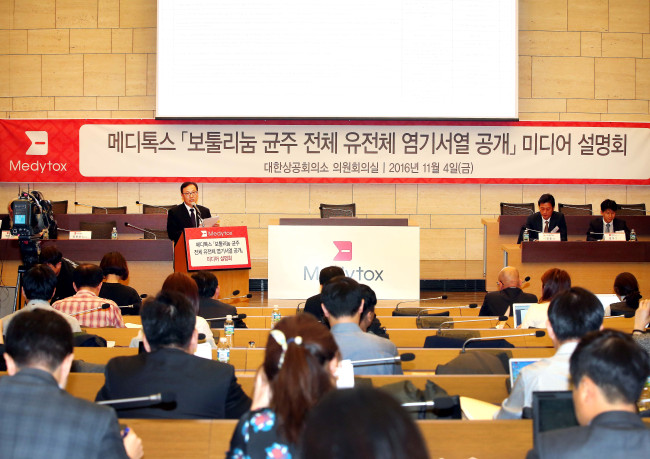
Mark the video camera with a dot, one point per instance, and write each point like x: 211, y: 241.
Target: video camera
x: 32, y: 216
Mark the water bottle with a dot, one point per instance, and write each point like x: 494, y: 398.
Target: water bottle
x: 223, y: 350
x: 114, y: 233
x: 526, y: 236
x: 229, y: 330
x: 275, y: 316
x: 632, y: 235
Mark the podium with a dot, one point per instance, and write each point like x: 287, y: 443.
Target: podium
x: 222, y: 250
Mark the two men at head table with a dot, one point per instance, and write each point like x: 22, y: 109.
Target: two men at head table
x: 39, y: 418
x: 608, y: 223
x: 85, y: 305
x: 544, y: 221
x: 609, y: 372
x: 209, y: 306
x: 342, y: 305
x: 500, y: 303
x: 571, y: 315
x: 63, y: 269
x: 201, y: 388
x: 188, y: 214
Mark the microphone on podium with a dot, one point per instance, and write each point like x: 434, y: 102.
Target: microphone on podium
x: 500, y: 319
x: 406, y: 357
x: 161, y: 397
x: 441, y: 297
x: 88, y: 205
x: 128, y: 225
x: 536, y: 334
x: 235, y: 317
x: 441, y: 403
x: 249, y: 295
x: 151, y: 205
x: 103, y: 306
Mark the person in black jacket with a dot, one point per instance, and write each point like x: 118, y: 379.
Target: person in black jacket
x: 608, y: 223
x: 63, y: 268
x: 186, y: 215
x: 544, y: 221
x: 115, y: 268
x: 313, y: 305
x: 500, y: 303
x: 209, y: 306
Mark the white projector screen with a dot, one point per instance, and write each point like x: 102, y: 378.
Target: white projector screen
x: 419, y: 59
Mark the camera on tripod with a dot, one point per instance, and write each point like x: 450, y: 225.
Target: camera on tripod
x: 32, y: 217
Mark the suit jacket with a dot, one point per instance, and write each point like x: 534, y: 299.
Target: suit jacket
x: 613, y: 434
x: 535, y: 222
x: 596, y: 226
x: 210, y: 308
x: 41, y: 420
x: 497, y: 303
x: 203, y: 389
x: 357, y: 345
x: 178, y: 218
x: 313, y: 307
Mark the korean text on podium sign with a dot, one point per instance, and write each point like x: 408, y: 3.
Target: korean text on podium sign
x: 217, y: 248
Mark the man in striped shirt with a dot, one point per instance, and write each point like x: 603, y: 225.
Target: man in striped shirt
x: 86, y: 306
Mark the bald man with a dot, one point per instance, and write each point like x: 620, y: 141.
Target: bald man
x: 499, y: 303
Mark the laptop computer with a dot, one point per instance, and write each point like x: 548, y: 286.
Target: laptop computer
x: 516, y: 365
x: 607, y: 299
x: 519, y: 311
x: 552, y: 410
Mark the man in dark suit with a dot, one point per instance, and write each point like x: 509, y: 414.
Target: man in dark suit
x: 608, y: 224
x: 313, y: 305
x: 38, y: 418
x: 499, y: 303
x: 608, y: 370
x: 545, y: 221
x: 202, y: 388
x: 209, y: 306
x: 186, y: 215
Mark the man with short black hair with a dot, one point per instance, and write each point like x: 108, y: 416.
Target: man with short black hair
x: 608, y: 223
x: 38, y: 418
x: 86, y: 305
x: 343, y: 305
x: 209, y: 306
x: 545, y: 221
x: 202, y: 388
x: 571, y: 314
x: 313, y: 304
x: 186, y: 215
x: 609, y: 371
x: 62, y: 267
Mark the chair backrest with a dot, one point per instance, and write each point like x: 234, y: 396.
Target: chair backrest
x: 575, y: 209
x: 100, y: 230
x: 109, y: 210
x: 338, y: 210
x: 59, y: 207
x: 149, y: 209
x: 517, y: 208
x: 631, y: 209
x: 160, y: 234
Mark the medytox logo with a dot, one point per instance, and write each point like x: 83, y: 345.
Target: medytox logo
x: 39, y: 144
x: 39, y: 147
x: 345, y: 250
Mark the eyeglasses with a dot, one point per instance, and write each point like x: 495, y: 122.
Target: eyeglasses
x: 191, y: 193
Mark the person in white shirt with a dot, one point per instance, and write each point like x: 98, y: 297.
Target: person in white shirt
x: 554, y: 281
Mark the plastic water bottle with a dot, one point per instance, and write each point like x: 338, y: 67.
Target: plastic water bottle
x: 632, y: 235
x: 275, y: 316
x: 526, y: 236
x: 229, y: 330
x: 114, y: 233
x: 223, y: 350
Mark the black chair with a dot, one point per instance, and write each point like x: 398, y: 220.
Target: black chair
x: 515, y: 208
x: 59, y: 207
x: 149, y: 209
x: 575, y: 209
x: 160, y: 234
x: 631, y: 209
x: 338, y: 210
x: 100, y: 230
x: 109, y: 210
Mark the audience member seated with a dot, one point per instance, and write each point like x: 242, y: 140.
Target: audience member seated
x: 86, y: 305
x: 608, y: 371
x: 608, y: 223
x: 571, y: 315
x: 342, y: 305
x: 626, y: 288
x: 300, y: 361
x: 201, y: 388
x: 369, y: 322
x: 38, y: 418
x: 545, y: 221
x: 641, y: 320
x: 554, y: 281
x: 313, y: 304
x: 39, y: 283
x: 500, y: 303
x: 63, y: 268
x: 361, y: 423
x: 116, y: 271
x: 209, y: 306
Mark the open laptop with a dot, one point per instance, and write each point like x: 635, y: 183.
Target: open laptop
x: 519, y: 311
x: 552, y: 410
x: 607, y: 299
x: 516, y: 364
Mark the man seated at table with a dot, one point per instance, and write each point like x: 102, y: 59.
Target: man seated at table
x: 343, y: 305
x: 608, y: 371
x: 202, y: 388
x: 86, y: 305
x: 313, y: 305
x: 544, y: 221
x: 39, y: 419
x: 500, y: 303
x: 571, y: 315
x: 608, y: 223
x: 63, y: 269
x: 186, y: 215
x: 209, y: 306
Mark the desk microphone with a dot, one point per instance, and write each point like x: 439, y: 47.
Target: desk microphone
x: 441, y: 403
x: 235, y: 317
x: 103, y: 306
x: 527, y: 209
x: 161, y: 397
x: 500, y: 319
x: 151, y: 205
x: 127, y: 224
x: 250, y: 295
x: 537, y: 334
x: 469, y: 306
x: 526, y: 281
x: 442, y: 297
x: 198, y: 214
x: 87, y: 205
x: 406, y: 357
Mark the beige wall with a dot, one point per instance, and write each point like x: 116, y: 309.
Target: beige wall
x: 579, y: 60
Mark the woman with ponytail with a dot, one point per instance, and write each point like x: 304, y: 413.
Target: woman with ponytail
x: 626, y: 288
x: 299, y: 366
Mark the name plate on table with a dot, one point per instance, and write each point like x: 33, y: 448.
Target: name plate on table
x: 6, y: 234
x: 217, y: 248
x: 618, y: 236
x: 549, y: 236
x: 81, y: 234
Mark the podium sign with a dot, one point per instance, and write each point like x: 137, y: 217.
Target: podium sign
x: 549, y: 236
x: 617, y: 236
x: 217, y: 248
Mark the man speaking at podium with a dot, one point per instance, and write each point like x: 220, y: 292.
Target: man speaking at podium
x: 186, y: 215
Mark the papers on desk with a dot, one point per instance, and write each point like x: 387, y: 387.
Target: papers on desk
x: 474, y: 409
x: 130, y: 325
